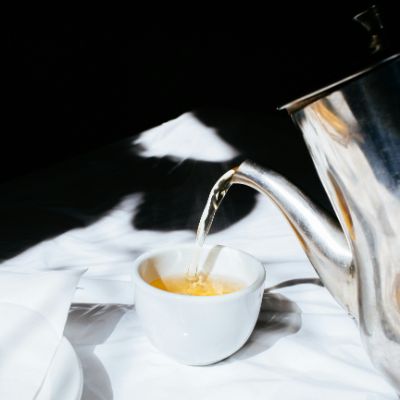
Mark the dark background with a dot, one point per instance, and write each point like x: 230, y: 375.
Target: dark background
x: 75, y: 92
x: 73, y: 86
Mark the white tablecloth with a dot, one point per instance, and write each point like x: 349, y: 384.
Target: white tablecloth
x: 96, y: 212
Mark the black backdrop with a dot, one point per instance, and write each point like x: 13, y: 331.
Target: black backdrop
x: 72, y: 86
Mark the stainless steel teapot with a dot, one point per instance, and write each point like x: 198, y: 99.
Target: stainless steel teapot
x: 352, y: 130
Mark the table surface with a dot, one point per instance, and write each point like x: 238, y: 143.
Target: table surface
x: 100, y: 211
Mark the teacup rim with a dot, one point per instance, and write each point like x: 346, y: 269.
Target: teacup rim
x: 138, y: 280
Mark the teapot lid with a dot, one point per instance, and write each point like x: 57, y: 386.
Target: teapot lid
x: 379, y: 54
x: 303, y: 101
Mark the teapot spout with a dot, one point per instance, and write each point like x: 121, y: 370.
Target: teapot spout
x: 323, y: 242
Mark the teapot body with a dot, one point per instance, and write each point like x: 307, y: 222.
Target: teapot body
x: 352, y: 131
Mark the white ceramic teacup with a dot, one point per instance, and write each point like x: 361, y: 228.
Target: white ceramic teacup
x: 198, y: 330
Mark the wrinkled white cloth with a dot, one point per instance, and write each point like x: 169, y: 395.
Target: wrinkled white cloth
x: 303, y: 347
x: 33, y: 311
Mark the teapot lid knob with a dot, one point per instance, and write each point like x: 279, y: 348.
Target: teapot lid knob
x: 370, y: 19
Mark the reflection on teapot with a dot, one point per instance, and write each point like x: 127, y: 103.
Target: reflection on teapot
x: 352, y: 130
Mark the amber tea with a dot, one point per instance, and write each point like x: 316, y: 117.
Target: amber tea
x: 201, y: 286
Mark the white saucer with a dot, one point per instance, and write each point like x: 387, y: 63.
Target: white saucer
x: 64, y: 381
